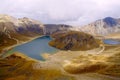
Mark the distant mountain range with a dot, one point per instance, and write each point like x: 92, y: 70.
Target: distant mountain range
x: 104, y: 26
x: 27, y: 26
x: 23, y: 26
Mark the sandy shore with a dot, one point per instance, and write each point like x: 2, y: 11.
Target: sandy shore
x: 25, y: 56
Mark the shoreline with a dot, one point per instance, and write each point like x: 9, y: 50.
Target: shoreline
x: 24, y: 56
x: 21, y: 43
x: 30, y: 39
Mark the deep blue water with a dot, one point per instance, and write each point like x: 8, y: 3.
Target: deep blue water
x: 35, y: 48
x: 112, y: 42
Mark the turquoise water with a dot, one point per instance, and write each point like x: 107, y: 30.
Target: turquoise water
x: 112, y: 42
x: 35, y: 48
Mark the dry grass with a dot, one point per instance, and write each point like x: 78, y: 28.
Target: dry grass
x: 108, y: 63
x: 17, y: 68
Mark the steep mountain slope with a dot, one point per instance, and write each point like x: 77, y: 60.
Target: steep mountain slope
x: 53, y: 28
x: 27, y: 25
x: 104, y: 26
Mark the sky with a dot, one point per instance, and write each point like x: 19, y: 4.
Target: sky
x: 73, y: 12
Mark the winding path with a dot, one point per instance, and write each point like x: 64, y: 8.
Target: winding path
x: 103, y: 48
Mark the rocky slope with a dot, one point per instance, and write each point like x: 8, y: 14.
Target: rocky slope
x: 9, y: 24
x: 74, y: 40
x: 104, y: 26
x: 27, y: 26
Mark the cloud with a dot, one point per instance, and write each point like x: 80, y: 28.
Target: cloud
x: 75, y: 12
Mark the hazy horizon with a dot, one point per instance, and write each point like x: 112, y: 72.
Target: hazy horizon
x: 77, y: 12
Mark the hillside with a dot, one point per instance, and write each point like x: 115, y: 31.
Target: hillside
x: 74, y: 40
x: 5, y: 41
x: 9, y: 24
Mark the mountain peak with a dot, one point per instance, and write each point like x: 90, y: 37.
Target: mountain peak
x: 29, y: 21
x: 110, y: 21
x: 4, y: 17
